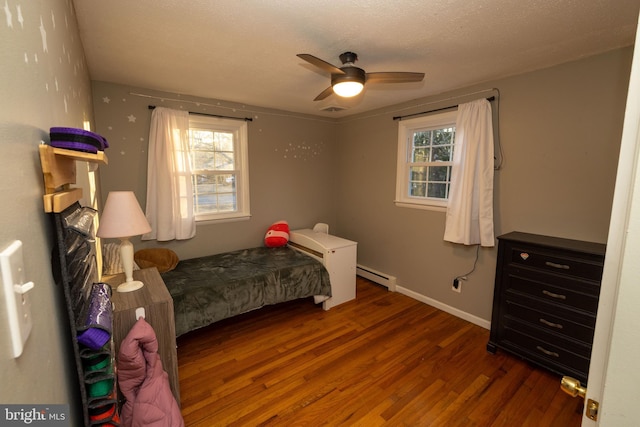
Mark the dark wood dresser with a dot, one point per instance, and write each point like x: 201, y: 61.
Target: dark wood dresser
x: 545, y: 301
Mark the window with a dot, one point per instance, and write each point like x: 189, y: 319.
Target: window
x: 219, y: 168
x: 425, y: 155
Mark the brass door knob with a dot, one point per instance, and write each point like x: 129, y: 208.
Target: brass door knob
x: 573, y: 387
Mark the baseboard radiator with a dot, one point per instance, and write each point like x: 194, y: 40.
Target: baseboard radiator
x: 376, y: 276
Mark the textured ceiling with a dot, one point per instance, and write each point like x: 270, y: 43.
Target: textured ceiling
x: 244, y: 51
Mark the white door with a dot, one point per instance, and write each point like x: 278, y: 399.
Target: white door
x: 615, y: 363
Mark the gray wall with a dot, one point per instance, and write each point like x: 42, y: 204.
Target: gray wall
x: 560, y: 130
x: 291, y: 159
x: 44, y: 83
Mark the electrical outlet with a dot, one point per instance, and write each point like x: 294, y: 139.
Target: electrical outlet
x: 457, y: 285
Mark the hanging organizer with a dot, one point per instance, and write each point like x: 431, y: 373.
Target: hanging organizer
x: 88, y: 302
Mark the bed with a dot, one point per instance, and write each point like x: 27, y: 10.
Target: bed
x: 211, y: 288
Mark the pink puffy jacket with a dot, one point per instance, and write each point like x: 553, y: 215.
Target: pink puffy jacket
x: 144, y: 383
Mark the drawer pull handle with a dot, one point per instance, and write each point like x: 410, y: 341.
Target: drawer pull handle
x: 560, y: 266
x: 550, y: 324
x: 547, y: 352
x: 552, y: 295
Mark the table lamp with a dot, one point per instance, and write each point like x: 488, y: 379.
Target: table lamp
x: 122, y: 218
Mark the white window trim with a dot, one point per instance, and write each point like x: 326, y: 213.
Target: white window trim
x: 241, y: 141
x: 406, y: 128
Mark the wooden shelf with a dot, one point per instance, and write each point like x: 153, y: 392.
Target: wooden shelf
x: 59, y: 170
x: 99, y: 157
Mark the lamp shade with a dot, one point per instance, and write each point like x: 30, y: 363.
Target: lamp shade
x: 122, y: 216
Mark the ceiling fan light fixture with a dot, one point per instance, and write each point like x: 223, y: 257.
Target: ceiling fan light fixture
x: 350, y: 83
x: 347, y: 89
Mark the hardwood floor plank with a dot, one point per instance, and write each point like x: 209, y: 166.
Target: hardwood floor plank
x: 382, y: 359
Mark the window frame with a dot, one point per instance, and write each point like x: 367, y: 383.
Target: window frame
x: 239, y: 129
x: 406, y: 129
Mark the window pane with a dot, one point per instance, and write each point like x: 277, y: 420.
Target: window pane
x: 441, y: 153
x: 226, y: 202
x: 226, y: 183
x: 443, y: 136
x: 223, y: 141
x: 418, y: 173
x: 215, y: 193
x: 224, y: 161
x: 418, y: 189
x: 206, y: 203
x: 216, y: 204
x: 201, y: 139
x: 420, y: 155
x: 204, y: 184
x: 439, y: 173
x: 420, y: 139
x: 202, y: 160
x: 436, y: 190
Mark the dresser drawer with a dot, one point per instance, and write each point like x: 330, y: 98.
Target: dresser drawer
x: 559, y: 360
x: 555, y: 261
x: 568, y: 293
x: 550, y: 337
x: 552, y: 318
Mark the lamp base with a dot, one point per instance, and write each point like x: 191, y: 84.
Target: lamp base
x: 130, y: 286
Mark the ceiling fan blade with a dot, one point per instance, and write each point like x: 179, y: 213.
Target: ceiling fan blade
x: 394, y: 77
x: 323, y: 65
x: 325, y: 93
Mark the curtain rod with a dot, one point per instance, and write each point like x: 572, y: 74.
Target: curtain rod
x: 246, y: 119
x: 491, y: 98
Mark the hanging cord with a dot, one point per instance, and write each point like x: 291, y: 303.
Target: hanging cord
x: 465, y: 276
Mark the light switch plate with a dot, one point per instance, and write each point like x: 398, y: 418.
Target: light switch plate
x: 16, y: 296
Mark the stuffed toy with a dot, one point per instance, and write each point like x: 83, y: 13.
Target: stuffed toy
x: 162, y: 258
x: 277, y: 235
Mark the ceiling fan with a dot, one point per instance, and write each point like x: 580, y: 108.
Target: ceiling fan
x: 349, y: 80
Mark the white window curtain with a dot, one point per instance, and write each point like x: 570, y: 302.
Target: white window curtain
x: 470, y: 208
x: 169, y: 207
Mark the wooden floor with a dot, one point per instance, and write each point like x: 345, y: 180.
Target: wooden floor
x: 384, y: 359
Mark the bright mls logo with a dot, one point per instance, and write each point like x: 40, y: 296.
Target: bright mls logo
x: 36, y: 415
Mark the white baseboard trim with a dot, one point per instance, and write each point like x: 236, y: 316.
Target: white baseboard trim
x: 444, y: 307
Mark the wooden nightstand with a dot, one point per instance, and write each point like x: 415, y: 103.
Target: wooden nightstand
x: 158, y: 306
